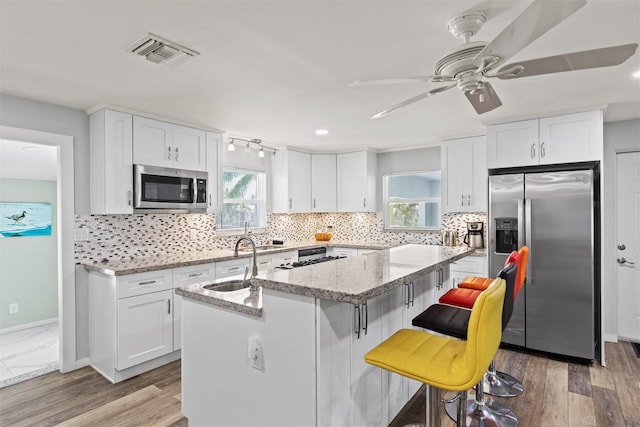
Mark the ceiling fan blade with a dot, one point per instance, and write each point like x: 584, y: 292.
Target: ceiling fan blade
x: 389, y: 81
x: 536, y: 20
x: 595, y: 58
x: 411, y: 101
x: 401, y: 80
x: 484, y: 99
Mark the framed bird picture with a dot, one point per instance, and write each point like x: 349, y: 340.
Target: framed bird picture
x: 25, y: 219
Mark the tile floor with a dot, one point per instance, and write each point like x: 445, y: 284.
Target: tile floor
x: 28, y: 353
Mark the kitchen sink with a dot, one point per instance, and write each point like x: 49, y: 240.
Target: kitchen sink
x: 259, y: 248
x: 230, y: 286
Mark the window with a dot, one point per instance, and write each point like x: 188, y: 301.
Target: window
x: 244, y: 200
x: 412, y: 200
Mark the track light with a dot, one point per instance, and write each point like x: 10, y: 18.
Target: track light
x: 247, y: 149
x: 251, y: 142
x: 231, y: 147
x: 261, y: 152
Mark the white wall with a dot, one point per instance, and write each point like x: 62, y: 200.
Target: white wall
x: 622, y: 135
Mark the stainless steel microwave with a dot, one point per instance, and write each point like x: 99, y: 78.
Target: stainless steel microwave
x: 168, y: 188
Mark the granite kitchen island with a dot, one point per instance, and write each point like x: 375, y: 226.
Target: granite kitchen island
x: 291, y: 352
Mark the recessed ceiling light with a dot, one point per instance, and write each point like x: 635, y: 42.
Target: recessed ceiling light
x: 322, y: 132
x: 636, y: 74
x: 32, y: 149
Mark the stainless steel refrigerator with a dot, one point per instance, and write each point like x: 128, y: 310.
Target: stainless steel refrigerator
x: 556, y: 214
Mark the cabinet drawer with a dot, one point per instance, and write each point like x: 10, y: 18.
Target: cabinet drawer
x: 144, y: 283
x: 183, y: 276
x: 471, y: 264
x: 232, y: 268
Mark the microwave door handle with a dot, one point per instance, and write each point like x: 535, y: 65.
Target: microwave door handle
x: 194, y: 185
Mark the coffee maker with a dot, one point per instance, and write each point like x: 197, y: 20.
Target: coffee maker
x: 475, y: 234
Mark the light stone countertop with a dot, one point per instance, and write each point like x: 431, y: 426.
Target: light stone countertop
x: 133, y: 265
x: 352, y: 280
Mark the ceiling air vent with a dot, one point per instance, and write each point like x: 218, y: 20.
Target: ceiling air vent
x: 161, y: 51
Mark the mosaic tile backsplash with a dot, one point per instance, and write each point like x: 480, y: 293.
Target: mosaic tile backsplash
x: 146, y: 235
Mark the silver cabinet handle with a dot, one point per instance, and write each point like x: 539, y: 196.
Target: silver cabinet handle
x: 468, y: 199
x: 462, y: 200
x: 533, y: 150
x: 413, y: 292
x: 177, y: 154
x: 622, y: 247
x: 129, y: 197
x: 356, y: 318
x: 169, y: 153
x: 209, y: 199
x: 364, y: 202
x: 407, y: 299
x: 543, y: 152
x: 622, y: 261
x: 195, y: 274
x: 365, y: 310
x: 148, y: 282
x: 234, y: 269
x: 168, y: 306
x: 314, y: 203
x: 290, y: 203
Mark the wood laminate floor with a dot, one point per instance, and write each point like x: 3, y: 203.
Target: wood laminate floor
x: 556, y: 394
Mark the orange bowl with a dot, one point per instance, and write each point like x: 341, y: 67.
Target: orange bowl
x: 323, y: 236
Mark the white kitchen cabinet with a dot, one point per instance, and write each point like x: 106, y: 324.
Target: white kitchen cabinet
x: 291, y: 182
x: 183, y: 276
x: 464, y: 175
x: 356, y: 181
x: 233, y: 267
x: 145, y: 328
x: 323, y: 183
x: 561, y: 139
x: 158, y: 143
x: 215, y: 171
x: 111, y: 162
x: 130, y: 323
x: 468, y: 266
x: 345, y: 333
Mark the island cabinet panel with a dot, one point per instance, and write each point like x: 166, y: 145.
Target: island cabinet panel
x: 219, y: 385
x: 350, y: 391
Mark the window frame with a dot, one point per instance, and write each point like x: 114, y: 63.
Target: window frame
x: 261, y: 202
x: 387, y: 200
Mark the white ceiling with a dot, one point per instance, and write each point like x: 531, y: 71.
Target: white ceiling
x: 20, y: 160
x: 278, y: 70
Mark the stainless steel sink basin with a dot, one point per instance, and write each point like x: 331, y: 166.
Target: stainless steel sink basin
x: 230, y: 286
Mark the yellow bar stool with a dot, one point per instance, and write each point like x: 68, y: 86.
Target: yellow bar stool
x: 444, y: 363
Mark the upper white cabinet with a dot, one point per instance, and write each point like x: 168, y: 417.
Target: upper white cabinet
x: 464, y: 175
x: 323, y: 182
x: 291, y: 182
x: 562, y: 139
x: 158, y: 143
x: 111, y: 162
x: 215, y: 171
x: 356, y: 181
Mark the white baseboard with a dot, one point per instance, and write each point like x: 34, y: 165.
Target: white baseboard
x: 610, y: 338
x: 29, y: 325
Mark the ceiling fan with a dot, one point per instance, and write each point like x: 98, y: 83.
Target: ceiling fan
x: 468, y: 65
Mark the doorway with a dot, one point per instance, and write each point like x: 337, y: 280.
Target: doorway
x: 63, y: 145
x: 29, y: 339
x: 628, y: 244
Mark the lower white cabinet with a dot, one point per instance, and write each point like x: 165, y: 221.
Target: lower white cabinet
x: 130, y: 323
x: 145, y: 328
x: 467, y: 266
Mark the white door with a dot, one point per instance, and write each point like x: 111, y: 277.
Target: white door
x: 628, y: 244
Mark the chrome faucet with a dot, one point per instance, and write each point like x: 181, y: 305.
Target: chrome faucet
x: 254, y: 269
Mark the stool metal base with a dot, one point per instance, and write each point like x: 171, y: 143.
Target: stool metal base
x: 489, y: 414
x: 501, y: 384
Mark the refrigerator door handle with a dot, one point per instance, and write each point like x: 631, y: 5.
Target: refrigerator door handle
x: 528, y: 240
x: 521, y: 236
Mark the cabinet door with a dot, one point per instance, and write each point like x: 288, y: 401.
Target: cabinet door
x: 215, y: 172
x: 323, y: 182
x: 189, y: 148
x: 145, y: 328
x: 464, y: 175
x: 453, y: 175
x: 368, y: 383
x: 356, y: 182
x: 299, y: 182
x: 111, y: 162
x: 571, y: 138
x: 512, y: 144
x: 152, y: 142
x: 479, y: 181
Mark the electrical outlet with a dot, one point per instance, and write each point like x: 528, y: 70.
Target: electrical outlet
x: 255, y: 353
x: 81, y: 234
x: 13, y: 308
